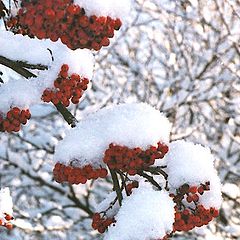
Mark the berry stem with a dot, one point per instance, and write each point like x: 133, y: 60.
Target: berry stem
x: 116, y: 186
x: 68, y: 117
x: 150, y: 179
x: 157, y: 170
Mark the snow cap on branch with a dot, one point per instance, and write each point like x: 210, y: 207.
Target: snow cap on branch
x: 24, y: 93
x: 111, y: 8
x: 80, y: 61
x: 23, y: 48
x: 6, y: 204
x: 131, y: 125
x: 146, y: 214
x: 18, y: 93
x: 193, y: 164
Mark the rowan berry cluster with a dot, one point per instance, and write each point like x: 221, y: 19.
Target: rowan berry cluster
x: 56, y: 19
x: 130, y: 186
x: 133, y: 160
x: 101, y: 223
x: 77, y: 175
x: 13, y: 120
x: 6, y: 221
x: 188, y: 217
x: 67, y: 88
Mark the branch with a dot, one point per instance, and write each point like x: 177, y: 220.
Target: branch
x: 15, y: 67
x: 68, y: 117
x: 157, y: 170
x: 150, y: 179
x: 31, y: 66
x: 116, y: 186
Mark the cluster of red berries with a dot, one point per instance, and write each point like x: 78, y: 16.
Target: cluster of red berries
x: 101, y: 223
x: 13, y: 120
x: 6, y: 222
x: 186, y: 218
x: 130, y: 186
x: 133, y: 160
x: 76, y: 175
x: 56, y: 19
x: 67, y: 88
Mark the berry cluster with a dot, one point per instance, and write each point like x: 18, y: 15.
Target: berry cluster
x: 62, y: 19
x: 133, y: 160
x: 66, y: 88
x: 130, y: 186
x: 186, y: 218
x: 76, y: 175
x: 101, y: 223
x: 13, y: 120
x: 6, y: 221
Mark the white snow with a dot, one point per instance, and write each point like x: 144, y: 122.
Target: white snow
x: 80, y: 61
x: 232, y: 190
x: 112, y: 8
x: 146, y: 214
x: 18, y: 93
x: 24, y: 93
x: 131, y: 125
x: 6, y: 204
x: 193, y: 164
x: 23, y: 48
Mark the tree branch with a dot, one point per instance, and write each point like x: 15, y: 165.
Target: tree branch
x: 116, y: 186
x: 15, y: 67
x: 150, y: 179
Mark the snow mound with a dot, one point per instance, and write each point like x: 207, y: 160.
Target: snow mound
x: 193, y: 164
x: 111, y: 8
x: 6, y: 204
x: 131, y: 125
x: 24, y: 93
x: 149, y: 214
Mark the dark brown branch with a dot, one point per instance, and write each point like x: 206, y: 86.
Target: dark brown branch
x: 157, y: 170
x: 116, y: 186
x: 68, y: 117
x: 150, y: 179
x: 31, y: 66
x: 15, y: 67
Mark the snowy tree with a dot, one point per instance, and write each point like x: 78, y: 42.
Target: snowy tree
x: 124, y: 170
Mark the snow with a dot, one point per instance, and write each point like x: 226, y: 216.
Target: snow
x: 23, y: 48
x: 193, y: 164
x: 34, y: 51
x: 131, y: 125
x: 107, y: 204
x: 232, y: 190
x: 6, y: 205
x: 18, y: 93
x: 111, y: 8
x: 80, y: 61
x: 149, y: 215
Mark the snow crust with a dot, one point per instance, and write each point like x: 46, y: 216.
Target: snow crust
x: 23, y: 48
x: 149, y: 215
x: 131, y: 125
x: 111, y: 8
x: 6, y: 204
x: 193, y: 164
x: 24, y: 93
